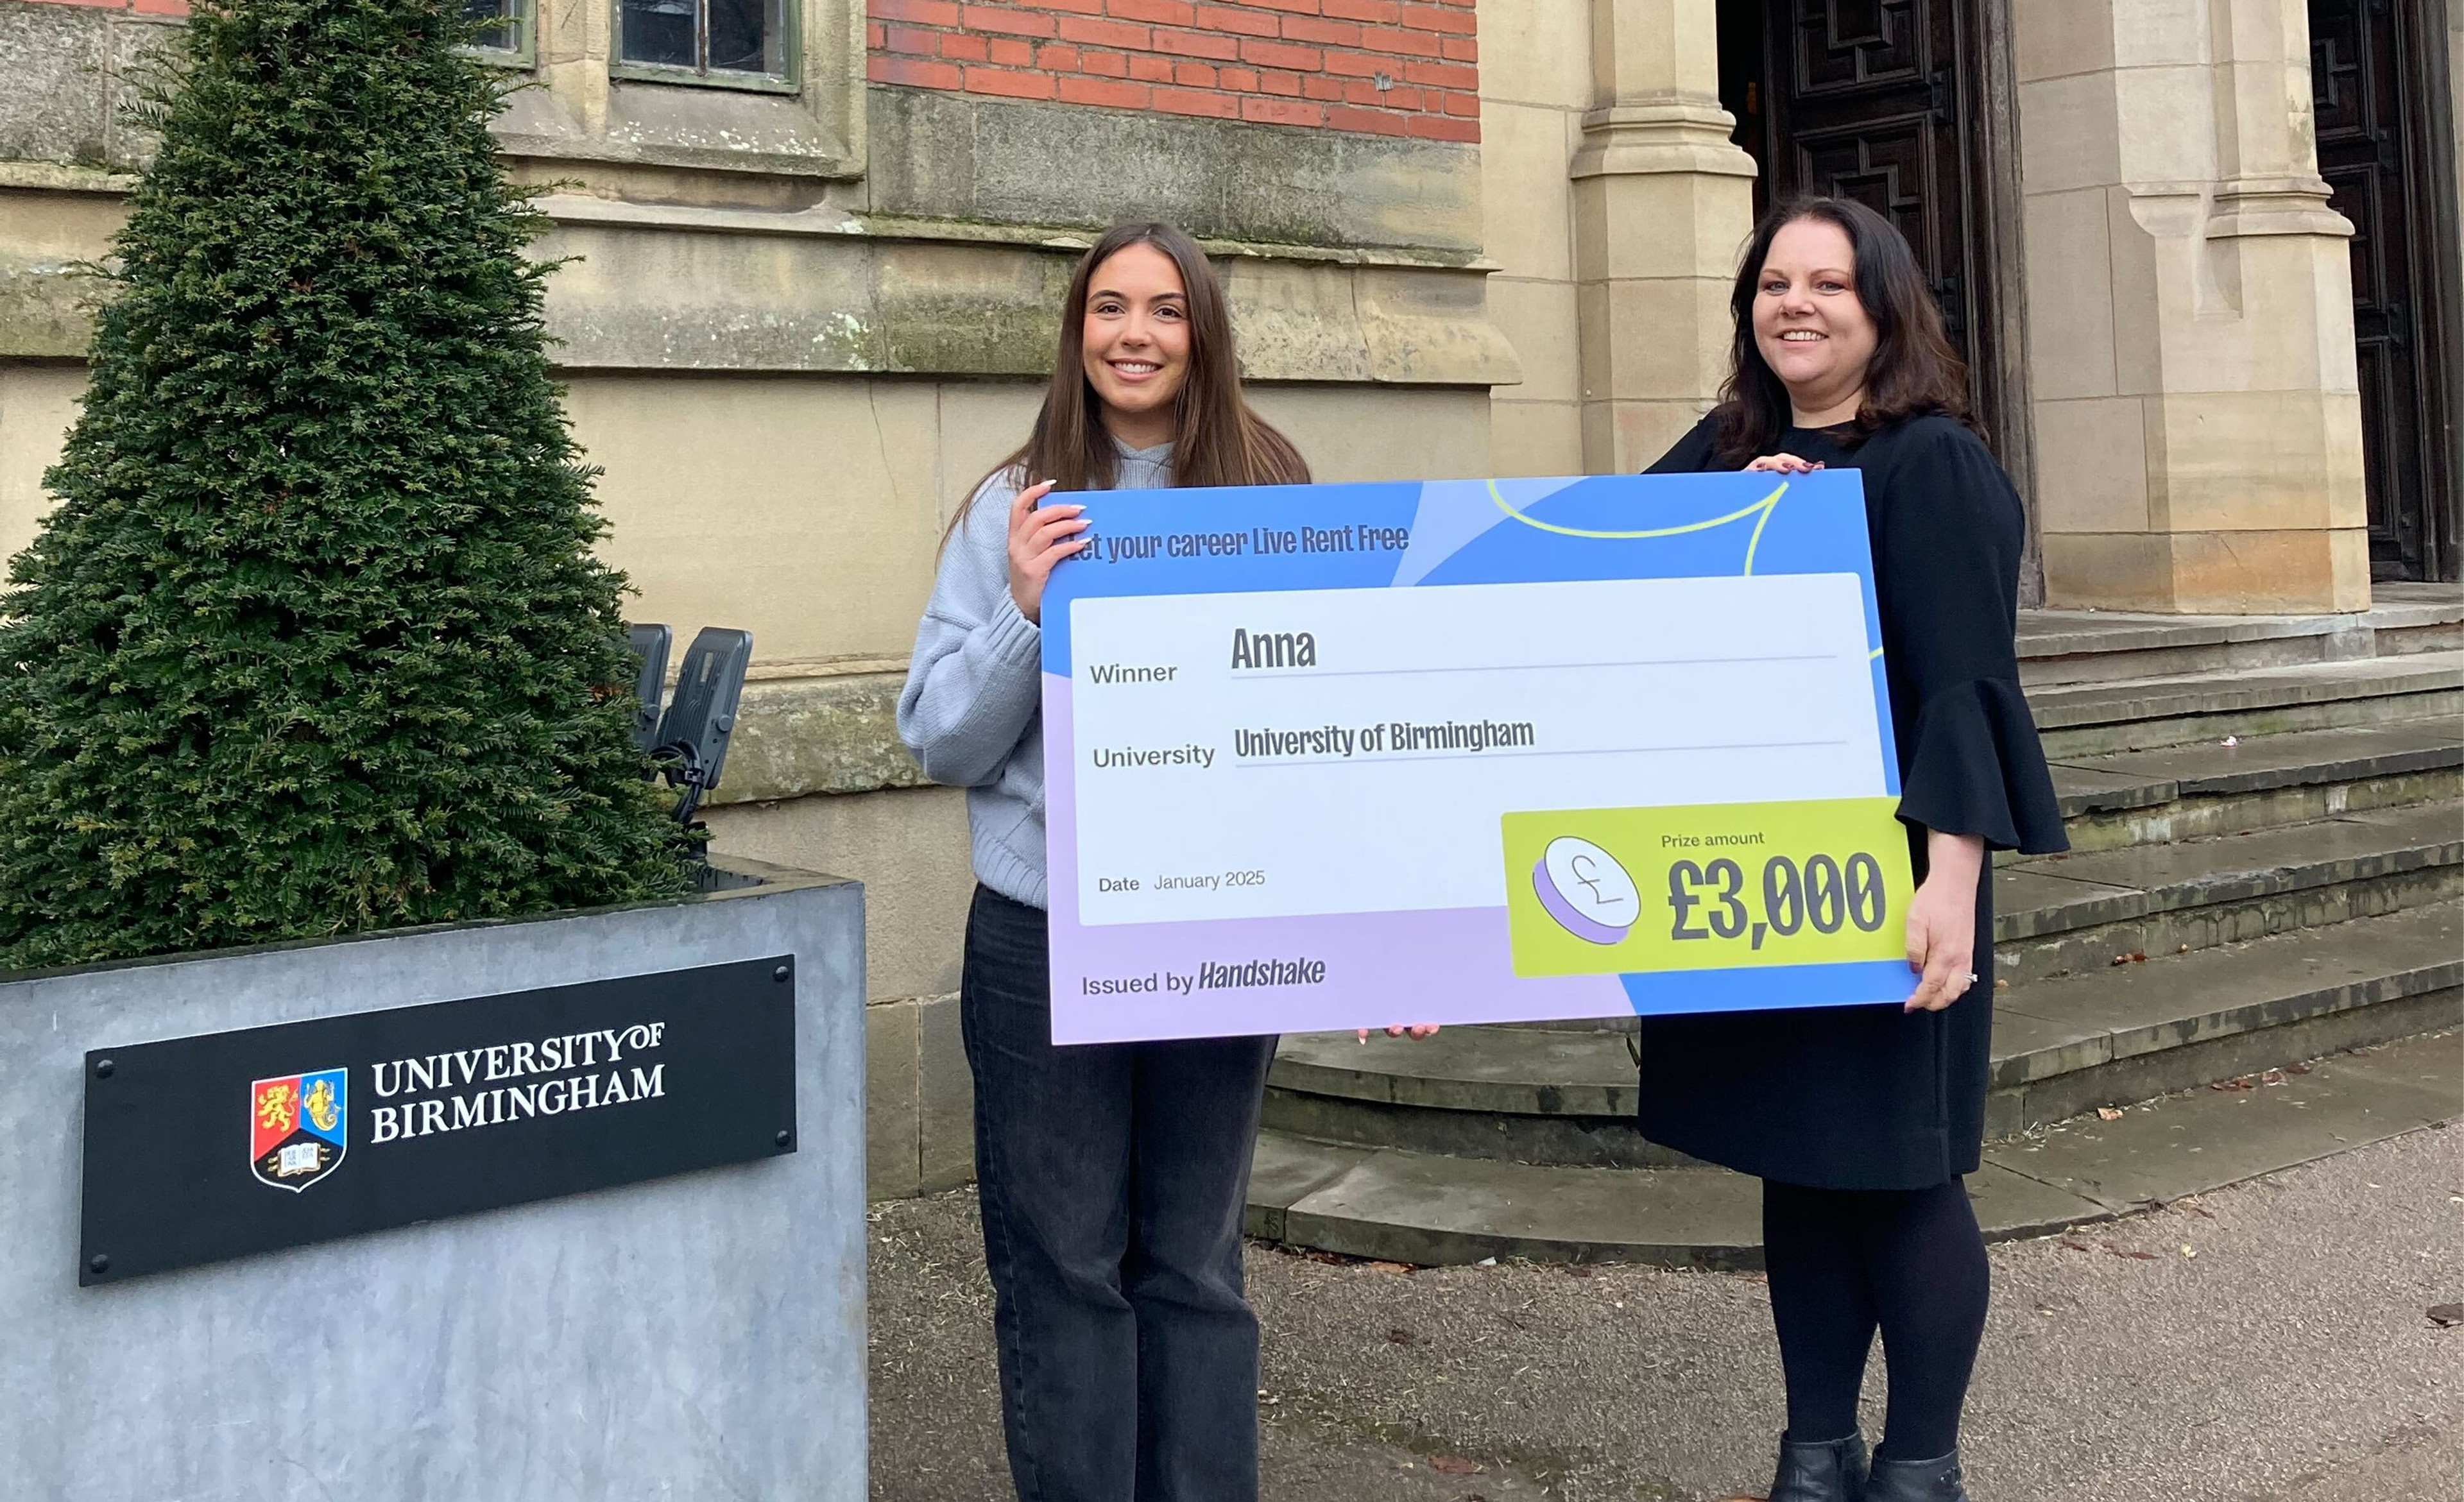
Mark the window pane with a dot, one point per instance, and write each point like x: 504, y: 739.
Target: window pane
x: 746, y: 36
x: 500, y: 37
x: 659, y: 32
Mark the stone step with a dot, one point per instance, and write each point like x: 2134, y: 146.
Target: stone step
x: 2197, y: 791
x: 2071, y: 649
x: 2061, y: 1047
x: 2061, y: 647
x: 2097, y: 718
x: 1430, y: 1209
x: 2059, y: 914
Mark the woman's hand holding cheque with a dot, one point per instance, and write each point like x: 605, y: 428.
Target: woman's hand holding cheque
x: 1038, y: 539
x: 1942, y: 921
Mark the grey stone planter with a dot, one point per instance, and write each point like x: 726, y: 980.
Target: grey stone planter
x: 701, y: 1336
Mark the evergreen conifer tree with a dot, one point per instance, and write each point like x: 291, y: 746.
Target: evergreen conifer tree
x: 314, y: 641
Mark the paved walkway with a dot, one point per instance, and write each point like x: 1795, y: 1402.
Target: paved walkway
x: 2267, y: 1343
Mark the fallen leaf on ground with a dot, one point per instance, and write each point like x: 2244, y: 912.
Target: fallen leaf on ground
x: 2242, y: 1083
x: 1403, y: 1268
x: 2125, y: 1251
x: 2135, y: 957
x: 2296, y: 1069
x: 1456, y: 1466
x: 2188, y: 1250
x: 2108, y: 1113
x: 2443, y: 1315
x: 2074, y: 1243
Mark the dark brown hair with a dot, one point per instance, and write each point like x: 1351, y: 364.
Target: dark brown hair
x: 1217, y: 440
x: 1914, y: 370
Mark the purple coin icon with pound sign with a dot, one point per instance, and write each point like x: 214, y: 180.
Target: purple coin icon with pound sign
x: 1586, y: 891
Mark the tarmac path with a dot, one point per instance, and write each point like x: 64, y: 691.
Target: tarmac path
x: 2264, y: 1343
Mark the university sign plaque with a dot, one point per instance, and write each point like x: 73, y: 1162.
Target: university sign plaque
x: 217, y: 1146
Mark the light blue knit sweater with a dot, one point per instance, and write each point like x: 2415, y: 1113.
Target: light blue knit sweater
x: 972, y: 708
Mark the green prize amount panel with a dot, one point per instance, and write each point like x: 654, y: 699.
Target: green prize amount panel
x: 1707, y: 887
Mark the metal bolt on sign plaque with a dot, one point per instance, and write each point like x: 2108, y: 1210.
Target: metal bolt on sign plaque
x: 225, y: 1144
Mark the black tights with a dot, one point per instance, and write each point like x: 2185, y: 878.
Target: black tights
x: 1847, y: 1262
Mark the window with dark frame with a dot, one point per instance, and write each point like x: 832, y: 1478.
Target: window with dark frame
x: 739, y: 42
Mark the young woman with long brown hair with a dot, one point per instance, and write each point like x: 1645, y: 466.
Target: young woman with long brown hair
x: 1112, y: 1177
x: 1863, y: 1121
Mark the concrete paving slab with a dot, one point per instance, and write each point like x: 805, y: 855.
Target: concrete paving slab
x: 1283, y: 1169
x: 2011, y: 1205
x: 2188, y: 1144
x: 2434, y: 1065
x: 1439, y: 1211
x: 2035, y: 899
x: 1521, y: 1070
x: 2043, y: 633
x: 2084, y: 789
x: 2028, y: 1047
x: 2282, y: 760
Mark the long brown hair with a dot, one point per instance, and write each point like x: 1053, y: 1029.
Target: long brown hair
x: 1217, y: 440
x: 1914, y: 370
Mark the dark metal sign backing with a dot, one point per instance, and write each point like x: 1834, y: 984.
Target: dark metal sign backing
x: 199, y: 1149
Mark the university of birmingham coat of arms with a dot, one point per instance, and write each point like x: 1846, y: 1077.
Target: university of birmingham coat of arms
x: 300, y: 1127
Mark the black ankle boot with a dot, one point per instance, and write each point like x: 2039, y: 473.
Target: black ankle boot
x: 1828, y: 1472
x: 1916, y: 1481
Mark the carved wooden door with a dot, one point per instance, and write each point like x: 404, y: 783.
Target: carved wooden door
x: 1863, y: 99
x: 2372, y: 149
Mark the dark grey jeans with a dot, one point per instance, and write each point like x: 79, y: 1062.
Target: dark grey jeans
x: 1112, y: 1178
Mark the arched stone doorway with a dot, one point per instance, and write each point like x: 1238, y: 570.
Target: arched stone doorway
x: 2379, y: 98
x: 1905, y: 105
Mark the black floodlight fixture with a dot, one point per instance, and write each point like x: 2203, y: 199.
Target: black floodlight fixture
x: 649, y: 645
x: 691, y: 744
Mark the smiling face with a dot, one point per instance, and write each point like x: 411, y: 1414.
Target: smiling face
x: 1810, y: 325
x: 1135, y: 342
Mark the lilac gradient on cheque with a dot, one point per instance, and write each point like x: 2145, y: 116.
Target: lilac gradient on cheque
x: 1443, y: 966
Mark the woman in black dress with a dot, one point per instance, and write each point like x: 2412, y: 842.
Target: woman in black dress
x: 1861, y: 1121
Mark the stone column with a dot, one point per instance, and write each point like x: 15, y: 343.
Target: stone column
x: 1662, y: 205
x: 2198, y: 415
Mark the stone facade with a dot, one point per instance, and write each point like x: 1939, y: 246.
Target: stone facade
x: 2196, y: 403
x: 1459, y: 239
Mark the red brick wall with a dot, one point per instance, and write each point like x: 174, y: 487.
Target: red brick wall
x: 1383, y: 67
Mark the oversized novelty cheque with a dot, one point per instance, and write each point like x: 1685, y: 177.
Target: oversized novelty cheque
x: 1339, y: 755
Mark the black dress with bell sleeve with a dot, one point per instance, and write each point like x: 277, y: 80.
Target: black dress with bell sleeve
x: 1876, y: 1098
